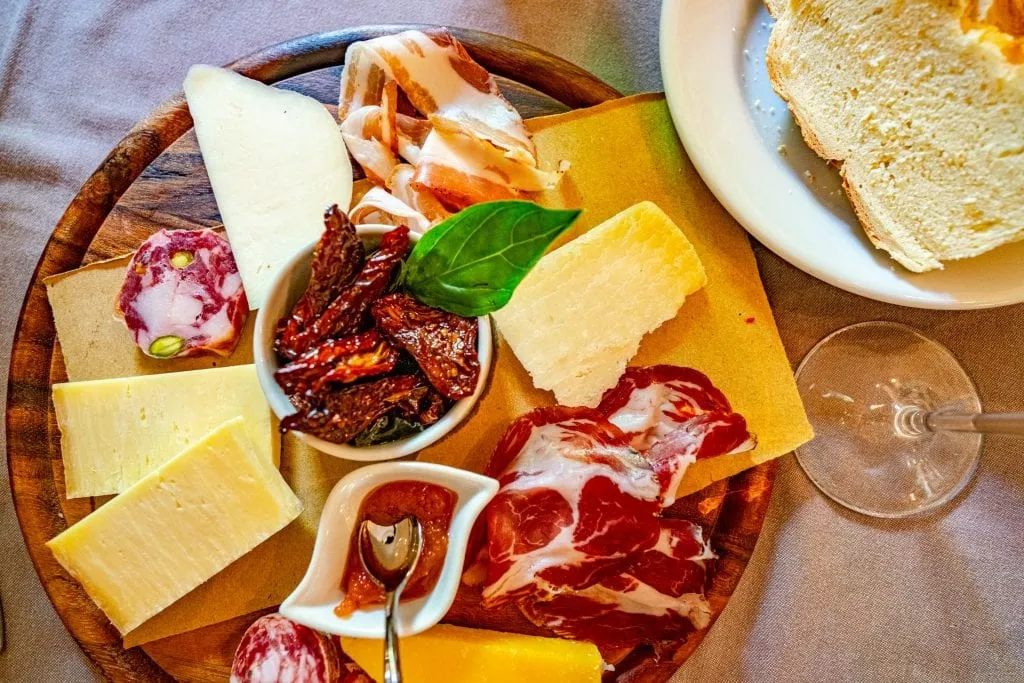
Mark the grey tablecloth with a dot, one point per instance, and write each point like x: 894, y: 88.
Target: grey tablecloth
x: 827, y: 596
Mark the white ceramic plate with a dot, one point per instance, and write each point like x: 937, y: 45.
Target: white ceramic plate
x: 732, y: 124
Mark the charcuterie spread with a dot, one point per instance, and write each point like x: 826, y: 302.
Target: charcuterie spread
x: 374, y: 327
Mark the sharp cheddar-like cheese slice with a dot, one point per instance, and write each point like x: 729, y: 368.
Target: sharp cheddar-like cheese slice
x: 115, y: 431
x: 177, y: 527
x: 580, y: 314
x: 276, y: 160
x: 453, y: 654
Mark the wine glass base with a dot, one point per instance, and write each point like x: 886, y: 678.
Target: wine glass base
x: 858, y: 385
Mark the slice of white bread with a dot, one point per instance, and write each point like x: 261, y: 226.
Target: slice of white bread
x: 922, y: 110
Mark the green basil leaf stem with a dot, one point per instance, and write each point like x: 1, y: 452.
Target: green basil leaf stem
x: 471, y: 263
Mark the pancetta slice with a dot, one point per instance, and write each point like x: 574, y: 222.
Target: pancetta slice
x: 182, y: 295
x: 470, y: 146
x: 377, y: 206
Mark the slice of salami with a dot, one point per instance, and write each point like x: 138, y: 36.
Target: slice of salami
x: 182, y: 295
x: 276, y: 648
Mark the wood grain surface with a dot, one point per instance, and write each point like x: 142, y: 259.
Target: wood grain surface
x: 155, y: 179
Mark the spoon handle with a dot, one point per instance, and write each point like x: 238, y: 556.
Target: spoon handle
x: 392, y: 668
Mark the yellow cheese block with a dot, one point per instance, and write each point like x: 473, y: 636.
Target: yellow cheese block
x: 580, y: 314
x: 453, y: 654
x: 115, y: 431
x: 178, y: 526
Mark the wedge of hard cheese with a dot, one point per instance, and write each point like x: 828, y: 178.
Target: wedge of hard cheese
x: 453, y: 654
x: 115, y: 431
x: 177, y: 527
x: 579, y: 316
x: 276, y: 160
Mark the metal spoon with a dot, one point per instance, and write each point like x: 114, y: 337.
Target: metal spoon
x: 389, y: 553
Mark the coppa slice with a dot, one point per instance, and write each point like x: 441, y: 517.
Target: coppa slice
x: 177, y: 527
x: 276, y: 160
x: 182, y: 295
x: 575, y: 536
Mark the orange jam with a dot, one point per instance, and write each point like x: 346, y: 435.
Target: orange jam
x: 387, y: 504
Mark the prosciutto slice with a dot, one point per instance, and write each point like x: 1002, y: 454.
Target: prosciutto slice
x: 576, y: 536
x: 466, y: 145
x: 182, y: 295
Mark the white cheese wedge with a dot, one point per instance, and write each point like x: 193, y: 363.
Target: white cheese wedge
x: 580, y: 314
x: 115, y: 431
x: 276, y: 160
x: 177, y: 527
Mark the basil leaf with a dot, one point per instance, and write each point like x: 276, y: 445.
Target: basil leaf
x: 470, y: 263
x: 387, y: 428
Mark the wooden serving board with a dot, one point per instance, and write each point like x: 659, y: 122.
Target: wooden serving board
x: 155, y: 179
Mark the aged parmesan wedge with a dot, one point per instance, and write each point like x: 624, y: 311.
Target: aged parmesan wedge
x: 454, y: 654
x: 579, y: 316
x: 177, y: 527
x: 115, y: 431
x: 276, y: 160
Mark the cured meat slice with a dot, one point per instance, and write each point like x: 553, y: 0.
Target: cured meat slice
x: 277, y: 649
x: 379, y: 207
x: 575, y: 535
x: 658, y: 595
x: 182, y: 295
x: 471, y: 145
x: 574, y: 501
x: 650, y: 402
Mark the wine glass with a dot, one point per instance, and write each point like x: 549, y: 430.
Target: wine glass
x: 897, y: 421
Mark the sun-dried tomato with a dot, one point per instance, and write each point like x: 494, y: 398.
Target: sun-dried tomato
x: 338, y: 360
x: 347, y: 313
x: 433, y: 406
x: 337, y: 257
x: 443, y: 344
x: 341, y: 414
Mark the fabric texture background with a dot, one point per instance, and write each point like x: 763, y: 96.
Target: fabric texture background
x: 827, y: 596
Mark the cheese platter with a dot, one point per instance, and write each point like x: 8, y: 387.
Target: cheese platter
x: 215, y: 517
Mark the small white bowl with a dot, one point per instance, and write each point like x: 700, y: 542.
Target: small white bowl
x: 312, y: 603
x: 286, y: 289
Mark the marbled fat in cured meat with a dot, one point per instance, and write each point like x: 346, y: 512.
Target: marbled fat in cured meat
x: 467, y: 144
x: 276, y: 649
x: 182, y: 295
x: 576, y: 537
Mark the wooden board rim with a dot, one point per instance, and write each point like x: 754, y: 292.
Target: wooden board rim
x: 28, y: 410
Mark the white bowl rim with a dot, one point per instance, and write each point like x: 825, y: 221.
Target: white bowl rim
x: 327, y: 566
x: 266, y: 362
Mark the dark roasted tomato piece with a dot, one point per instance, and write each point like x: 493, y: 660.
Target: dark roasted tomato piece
x: 337, y: 258
x: 338, y: 360
x: 339, y: 415
x: 443, y: 344
x: 347, y: 312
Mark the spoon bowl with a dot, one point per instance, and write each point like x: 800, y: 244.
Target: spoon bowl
x: 390, y: 552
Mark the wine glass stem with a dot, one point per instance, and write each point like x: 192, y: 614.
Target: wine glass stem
x: 984, y: 423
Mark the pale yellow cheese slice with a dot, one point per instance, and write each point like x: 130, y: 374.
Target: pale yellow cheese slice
x: 115, y: 431
x: 276, y: 160
x: 177, y: 527
x: 580, y: 314
x: 454, y: 654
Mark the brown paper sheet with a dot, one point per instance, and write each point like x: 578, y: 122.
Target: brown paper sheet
x: 621, y: 153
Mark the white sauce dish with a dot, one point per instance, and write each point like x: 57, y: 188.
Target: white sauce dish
x: 286, y: 289
x: 312, y: 603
